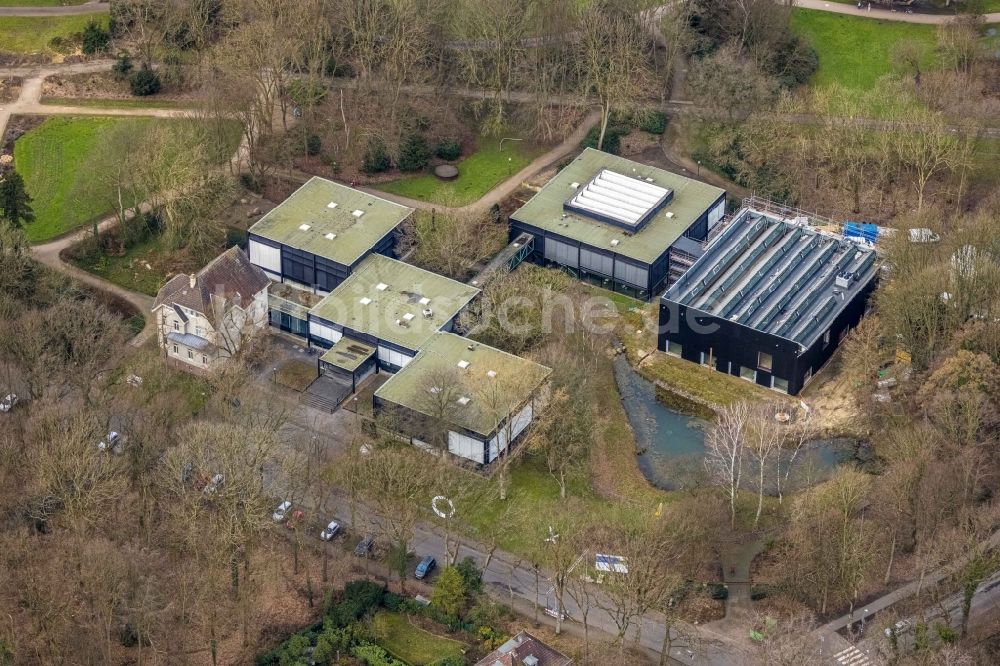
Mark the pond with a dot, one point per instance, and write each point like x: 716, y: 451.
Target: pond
x: 670, y: 440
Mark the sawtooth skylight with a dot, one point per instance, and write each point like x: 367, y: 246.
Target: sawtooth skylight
x: 622, y: 200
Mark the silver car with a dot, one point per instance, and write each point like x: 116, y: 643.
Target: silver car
x: 282, y: 511
x: 8, y: 402
x: 330, y: 531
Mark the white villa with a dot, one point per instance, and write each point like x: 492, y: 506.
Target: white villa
x: 203, y: 319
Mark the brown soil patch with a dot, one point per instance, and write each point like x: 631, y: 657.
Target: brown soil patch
x: 10, y: 88
x: 17, y: 126
x: 101, y: 85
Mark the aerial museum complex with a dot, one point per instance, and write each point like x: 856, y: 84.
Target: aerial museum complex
x: 757, y: 294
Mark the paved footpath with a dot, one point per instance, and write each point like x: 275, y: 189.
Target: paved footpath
x: 883, y: 13
x: 90, y: 7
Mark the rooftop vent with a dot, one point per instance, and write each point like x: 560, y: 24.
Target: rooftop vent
x: 424, y: 300
x: 381, y: 286
x: 574, y: 185
x: 530, y: 660
x: 365, y: 301
x: 332, y: 205
x: 464, y: 400
x: 463, y: 364
x: 304, y: 227
x: 331, y: 236
x: 471, y: 346
x: 357, y: 213
x: 408, y: 316
x: 614, y: 242
x: 428, y: 312
x: 401, y: 323
x: 491, y: 373
x: 670, y: 215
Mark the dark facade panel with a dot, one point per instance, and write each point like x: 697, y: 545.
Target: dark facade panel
x: 732, y: 347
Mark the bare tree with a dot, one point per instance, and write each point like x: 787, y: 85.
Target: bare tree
x: 725, y: 449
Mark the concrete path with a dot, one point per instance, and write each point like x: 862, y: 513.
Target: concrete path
x: 48, y: 254
x: 883, y: 13
x: 29, y: 102
x: 90, y: 7
x: 564, y: 149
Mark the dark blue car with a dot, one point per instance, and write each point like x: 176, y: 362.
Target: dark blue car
x: 425, y: 567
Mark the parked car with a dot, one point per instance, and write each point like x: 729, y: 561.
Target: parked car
x: 281, y: 512
x: 330, y: 531
x: 425, y: 567
x: 8, y: 402
x: 364, y: 547
x: 214, y: 484
x: 294, y: 521
x: 897, y: 629
x: 109, y: 443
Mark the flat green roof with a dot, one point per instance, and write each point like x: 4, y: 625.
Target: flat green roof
x: 516, y: 377
x: 310, y: 205
x: 381, y: 292
x: 545, y: 210
x: 348, y: 353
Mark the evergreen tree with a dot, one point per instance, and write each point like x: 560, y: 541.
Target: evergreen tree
x: 414, y: 154
x: 95, y: 38
x: 449, y: 592
x: 15, y: 204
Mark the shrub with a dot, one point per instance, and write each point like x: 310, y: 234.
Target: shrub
x: 472, y: 577
x: 376, y: 158
x: 144, y: 82
x: 449, y: 593
x: 612, y: 138
x: 414, y: 153
x: 314, y: 144
x: 95, y: 38
x: 654, y: 122
x: 373, y: 655
x: 122, y: 66
x: 448, y: 149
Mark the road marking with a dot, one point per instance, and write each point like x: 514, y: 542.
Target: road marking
x: 852, y: 656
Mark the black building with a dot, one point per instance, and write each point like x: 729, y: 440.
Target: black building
x: 769, y: 301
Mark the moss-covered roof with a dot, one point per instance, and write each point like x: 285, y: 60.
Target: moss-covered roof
x: 395, y: 301
x: 545, y: 210
x: 307, y: 220
x: 484, y: 368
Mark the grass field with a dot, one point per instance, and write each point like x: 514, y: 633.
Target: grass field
x: 143, y: 103
x: 32, y: 34
x: 57, y: 160
x: 39, y: 3
x: 855, y: 52
x: 412, y: 644
x: 478, y: 174
x: 129, y: 270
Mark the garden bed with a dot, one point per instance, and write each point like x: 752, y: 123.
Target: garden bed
x: 410, y: 643
x: 101, y: 89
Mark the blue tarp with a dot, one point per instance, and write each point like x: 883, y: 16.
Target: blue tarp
x: 868, y: 232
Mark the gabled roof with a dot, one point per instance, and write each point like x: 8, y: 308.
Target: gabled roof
x: 523, y: 647
x: 475, y: 366
x: 229, y: 276
x: 331, y: 220
x: 394, y: 301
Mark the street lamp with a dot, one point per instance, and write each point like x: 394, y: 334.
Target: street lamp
x: 699, y: 167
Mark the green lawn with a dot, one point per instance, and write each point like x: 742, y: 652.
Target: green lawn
x: 412, y: 644
x: 39, y: 3
x: 20, y: 34
x: 129, y: 270
x: 60, y: 161
x: 855, y: 52
x: 138, y: 103
x: 478, y: 174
